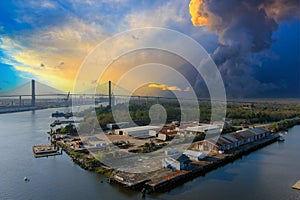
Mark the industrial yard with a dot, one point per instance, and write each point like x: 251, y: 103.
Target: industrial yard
x: 172, y: 167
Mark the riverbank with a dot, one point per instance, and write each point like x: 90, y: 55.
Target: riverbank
x: 283, y: 125
x: 4, y: 110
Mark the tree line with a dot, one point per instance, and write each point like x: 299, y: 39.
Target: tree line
x: 139, y: 113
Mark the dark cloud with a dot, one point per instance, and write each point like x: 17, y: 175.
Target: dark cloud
x: 281, y: 10
x: 244, y: 29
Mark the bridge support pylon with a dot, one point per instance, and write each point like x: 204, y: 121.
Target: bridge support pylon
x: 33, y: 93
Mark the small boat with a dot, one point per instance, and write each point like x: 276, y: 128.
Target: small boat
x: 61, y: 114
x: 26, y: 179
x: 56, y: 122
x: 283, y: 133
x: 68, y: 115
x: 58, y: 114
x: 281, y: 139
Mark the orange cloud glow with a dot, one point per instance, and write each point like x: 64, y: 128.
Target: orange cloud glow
x: 164, y: 87
x: 198, y: 18
x: 54, y: 55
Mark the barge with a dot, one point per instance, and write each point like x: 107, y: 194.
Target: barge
x: 45, y: 150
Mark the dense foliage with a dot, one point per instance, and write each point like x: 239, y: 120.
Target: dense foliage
x: 284, y: 124
x: 139, y: 113
x: 262, y: 112
x: 68, y: 129
x: 230, y: 129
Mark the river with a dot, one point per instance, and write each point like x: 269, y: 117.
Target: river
x: 265, y: 174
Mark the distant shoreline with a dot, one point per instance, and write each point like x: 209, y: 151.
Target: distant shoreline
x: 265, y: 100
x: 5, y: 110
x: 18, y: 109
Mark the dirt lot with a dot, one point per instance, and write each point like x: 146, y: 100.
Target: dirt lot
x: 114, y: 138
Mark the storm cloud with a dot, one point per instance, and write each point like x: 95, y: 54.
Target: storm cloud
x: 244, y: 29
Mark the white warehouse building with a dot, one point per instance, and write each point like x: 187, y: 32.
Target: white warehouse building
x: 207, y: 129
x: 138, y: 131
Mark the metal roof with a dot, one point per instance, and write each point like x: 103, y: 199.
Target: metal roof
x: 229, y: 137
x: 139, y: 128
x: 202, y: 128
x: 193, y: 153
x: 247, y: 133
x: 259, y: 130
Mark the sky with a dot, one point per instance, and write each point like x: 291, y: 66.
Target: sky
x: 255, y: 44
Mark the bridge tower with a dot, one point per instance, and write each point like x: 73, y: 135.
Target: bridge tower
x: 32, y: 93
x: 109, y: 93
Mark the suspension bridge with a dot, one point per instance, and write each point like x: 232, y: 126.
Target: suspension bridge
x: 35, y: 95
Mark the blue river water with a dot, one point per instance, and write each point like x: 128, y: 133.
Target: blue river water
x: 267, y: 173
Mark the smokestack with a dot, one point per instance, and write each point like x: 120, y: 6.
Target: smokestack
x: 32, y: 93
x: 109, y: 93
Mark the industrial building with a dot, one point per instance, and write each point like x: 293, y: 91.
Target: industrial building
x: 207, y: 129
x: 178, y: 162
x: 141, y: 132
x: 194, y: 155
x: 175, y: 160
x: 113, y: 126
x: 232, y: 140
x: 260, y: 132
x: 166, y: 132
x: 162, y: 136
